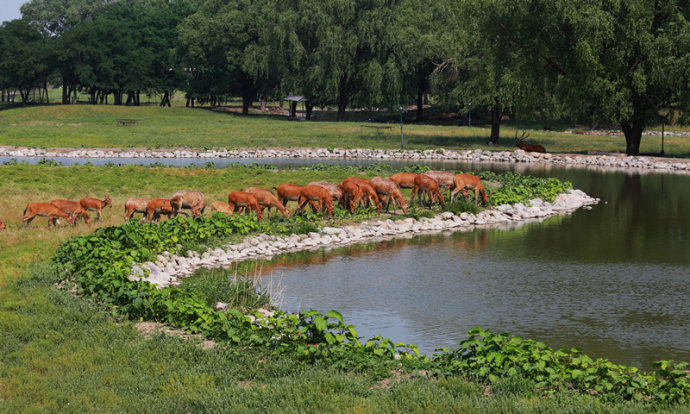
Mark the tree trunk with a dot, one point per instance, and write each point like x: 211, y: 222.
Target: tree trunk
x: 633, y: 128
x: 420, y: 105
x: 246, y: 103
x: 310, y: 107
x: 633, y: 136
x: 65, y: 100
x: 343, y: 100
x: 293, y: 109
x: 166, y: 99
x: 263, y: 104
x: 496, y: 116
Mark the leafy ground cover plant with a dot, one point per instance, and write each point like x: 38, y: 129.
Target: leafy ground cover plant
x: 99, y: 265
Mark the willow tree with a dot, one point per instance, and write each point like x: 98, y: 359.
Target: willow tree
x: 483, y: 66
x: 620, y: 61
x: 340, y: 52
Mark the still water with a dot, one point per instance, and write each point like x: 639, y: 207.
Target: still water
x: 613, y: 281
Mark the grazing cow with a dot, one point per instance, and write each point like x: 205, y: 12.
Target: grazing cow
x: 267, y: 200
x: 44, y: 210
x: 74, y: 208
x: 463, y: 182
x: 135, y: 205
x: 385, y: 187
x: 315, y: 194
x: 157, y: 207
x: 222, y: 207
x: 193, y: 200
x: 425, y: 184
x: 94, y: 204
x: 238, y: 199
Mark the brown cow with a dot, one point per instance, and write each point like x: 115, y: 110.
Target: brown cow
x: 94, y: 204
x: 238, y: 199
x: 45, y: 210
x: 193, y: 200
x: 74, y: 208
x: 315, y: 194
x: 425, y: 184
x: 472, y: 182
x: 157, y: 207
x: 385, y: 187
x: 267, y: 200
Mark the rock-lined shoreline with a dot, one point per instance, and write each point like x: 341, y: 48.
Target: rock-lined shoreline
x: 477, y: 155
x: 169, y: 267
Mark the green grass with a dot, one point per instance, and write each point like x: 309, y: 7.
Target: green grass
x: 61, y: 353
x: 77, y: 126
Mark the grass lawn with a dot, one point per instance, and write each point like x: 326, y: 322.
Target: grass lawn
x: 95, y: 126
x: 61, y: 353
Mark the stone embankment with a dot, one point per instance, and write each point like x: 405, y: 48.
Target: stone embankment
x: 478, y: 155
x: 169, y: 268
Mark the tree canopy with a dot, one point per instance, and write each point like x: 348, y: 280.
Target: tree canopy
x: 597, y: 61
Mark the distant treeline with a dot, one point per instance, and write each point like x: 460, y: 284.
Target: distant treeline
x: 596, y: 61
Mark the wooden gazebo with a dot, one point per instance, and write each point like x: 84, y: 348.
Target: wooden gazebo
x: 294, y: 100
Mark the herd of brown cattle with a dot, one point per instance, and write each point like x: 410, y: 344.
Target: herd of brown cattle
x: 320, y: 196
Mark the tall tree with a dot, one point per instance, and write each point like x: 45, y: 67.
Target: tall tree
x: 621, y: 61
x: 23, y: 57
x: 341, y: 52
x: 216, y: 39
x: 481, y: 68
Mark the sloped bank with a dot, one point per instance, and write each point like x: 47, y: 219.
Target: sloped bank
x: 169, y: 267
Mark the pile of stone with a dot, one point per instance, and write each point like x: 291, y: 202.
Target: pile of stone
x: 169, y: 268
x: 478, y: 155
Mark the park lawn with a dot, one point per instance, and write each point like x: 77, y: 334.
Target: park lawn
x: 62, y: 353
x: 95, y: 126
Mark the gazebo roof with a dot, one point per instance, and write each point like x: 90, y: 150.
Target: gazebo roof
x: 296, y: 99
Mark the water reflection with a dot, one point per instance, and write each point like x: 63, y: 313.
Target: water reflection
x: 613, y: 280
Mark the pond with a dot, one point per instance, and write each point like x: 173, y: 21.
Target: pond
x: 613, y: 281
